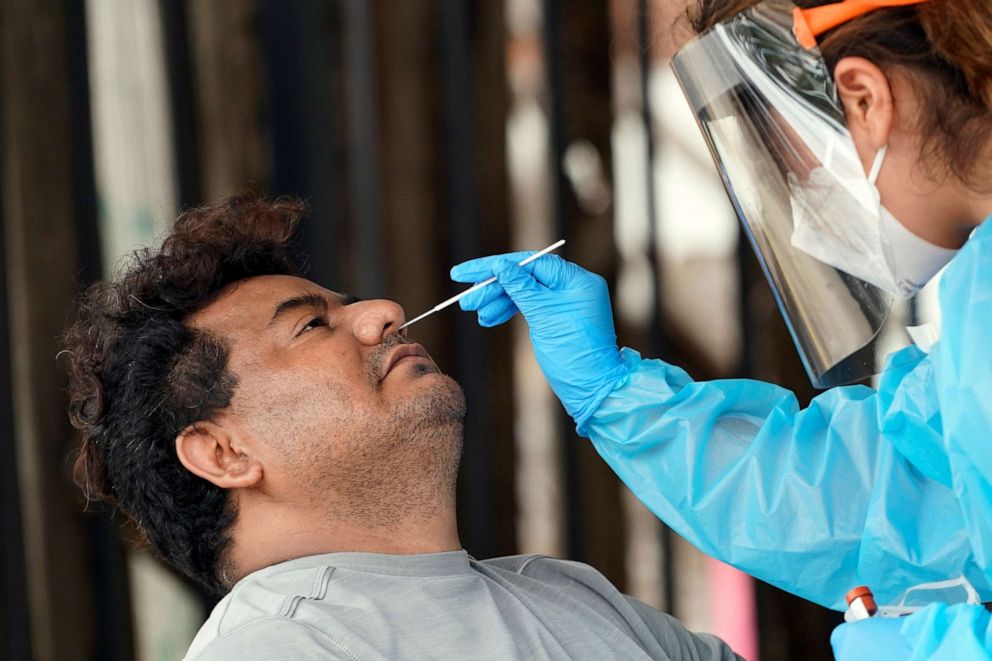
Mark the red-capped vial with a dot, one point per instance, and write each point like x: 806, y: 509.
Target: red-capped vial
x: 860, y: 604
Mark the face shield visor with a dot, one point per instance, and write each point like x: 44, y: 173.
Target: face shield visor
x: 770, y: 114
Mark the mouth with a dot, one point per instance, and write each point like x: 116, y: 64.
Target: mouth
x: 399, y: 353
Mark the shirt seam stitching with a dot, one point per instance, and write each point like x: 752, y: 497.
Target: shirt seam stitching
x: 526, y: 563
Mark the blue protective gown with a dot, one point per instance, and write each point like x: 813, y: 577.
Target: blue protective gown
x: 888, y: 488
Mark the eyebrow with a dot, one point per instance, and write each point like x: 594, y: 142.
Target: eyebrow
x: 310, y: 300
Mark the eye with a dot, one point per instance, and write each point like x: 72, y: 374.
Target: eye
x: 313, y: 323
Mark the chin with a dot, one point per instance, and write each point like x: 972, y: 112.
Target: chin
x: 437, y: 400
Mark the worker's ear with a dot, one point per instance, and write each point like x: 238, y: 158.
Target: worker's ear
x: 866, y: 94
x: 213, y: 451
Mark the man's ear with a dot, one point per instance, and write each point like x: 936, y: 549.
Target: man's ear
x: 209, y: 450
x: 864, y: 90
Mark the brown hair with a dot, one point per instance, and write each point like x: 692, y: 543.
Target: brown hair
x: 138, y: 375
x: 946, y: 45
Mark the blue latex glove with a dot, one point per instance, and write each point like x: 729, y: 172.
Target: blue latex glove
x: 571, y: 323
x: 939, y: 632
x: 874, y: 638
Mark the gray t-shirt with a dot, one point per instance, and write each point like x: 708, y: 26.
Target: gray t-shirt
x: 363, y: 606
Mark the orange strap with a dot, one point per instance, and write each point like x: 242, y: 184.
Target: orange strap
x: 810, y: 23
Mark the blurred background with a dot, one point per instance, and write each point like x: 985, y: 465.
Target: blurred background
x: 422, y: 133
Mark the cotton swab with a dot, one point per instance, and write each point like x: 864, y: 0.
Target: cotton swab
x: 485, y: 283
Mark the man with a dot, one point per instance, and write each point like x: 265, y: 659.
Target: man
x: 288, y: 445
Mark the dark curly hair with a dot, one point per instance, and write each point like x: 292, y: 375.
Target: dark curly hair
x: 138, y: 374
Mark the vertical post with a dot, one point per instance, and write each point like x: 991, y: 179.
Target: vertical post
x: 362, y: 124
x: 231, y: 137
x: 112, y: 625
x: 40, y: 265
x: 486, y: 34
x: 472, y: 44
x: 175, y: 29
x: 89, y: 251
x: 459, y: 180
x: 656, y: 328
x: 574, y: 530
x: 308, y: 151
x: 414, y: 237
x: 577, y: 42
x: 15, y: 626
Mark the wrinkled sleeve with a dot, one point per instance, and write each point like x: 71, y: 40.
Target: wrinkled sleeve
x: 814, y: 501
x: 949, y: 632
x: 679, y: 641
x: 963, y: 367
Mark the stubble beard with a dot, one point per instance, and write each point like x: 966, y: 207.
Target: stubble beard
x: 401, y: 466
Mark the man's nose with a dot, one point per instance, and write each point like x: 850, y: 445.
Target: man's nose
x: 377, y: 320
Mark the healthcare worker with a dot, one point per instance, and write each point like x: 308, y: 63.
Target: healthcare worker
x: 853, y: 139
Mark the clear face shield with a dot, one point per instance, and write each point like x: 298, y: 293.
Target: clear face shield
x: 777, y: 132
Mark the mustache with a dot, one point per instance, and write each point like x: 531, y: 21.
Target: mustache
x: 373, y: 368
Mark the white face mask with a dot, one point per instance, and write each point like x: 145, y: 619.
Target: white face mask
x: 841, y: 222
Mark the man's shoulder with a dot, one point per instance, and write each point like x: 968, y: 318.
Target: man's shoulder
x: 260, y: 614
x: 530, y: 564
x: 270, y: 637
x: 586, y: 584
x: 554, y: 571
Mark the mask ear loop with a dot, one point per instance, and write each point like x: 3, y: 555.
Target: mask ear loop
x: 876, y: 167
x: 969, y: 590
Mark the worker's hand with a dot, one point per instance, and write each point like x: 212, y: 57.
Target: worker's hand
x: 873, y: 638
x: 571, y: 323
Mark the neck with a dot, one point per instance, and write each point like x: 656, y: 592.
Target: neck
x: 266, y: 537
x: 944, y: 217
x: 981, y: 208
x: 931, y: 203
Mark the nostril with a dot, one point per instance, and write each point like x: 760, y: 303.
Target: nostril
x: 377, y: 320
